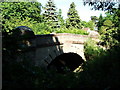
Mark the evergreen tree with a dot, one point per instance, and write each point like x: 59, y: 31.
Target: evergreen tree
x: 60, y: 18
x: 50, y: 15
x: 94, y: 19
x: 73, y: 18
x: 100, y: 23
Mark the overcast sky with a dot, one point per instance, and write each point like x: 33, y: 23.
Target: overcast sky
x: 84, y: 11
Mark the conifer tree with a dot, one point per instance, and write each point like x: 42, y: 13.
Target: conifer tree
x: 73, y: 18
x: 60, y: 18
x: 50, y: 15
x: 100, y: 23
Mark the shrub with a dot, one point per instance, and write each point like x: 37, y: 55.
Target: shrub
x: 41, y: 28
x: 103, y: 71
x: 91, y: 50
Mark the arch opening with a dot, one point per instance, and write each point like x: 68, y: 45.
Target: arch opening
x: 66, y: 62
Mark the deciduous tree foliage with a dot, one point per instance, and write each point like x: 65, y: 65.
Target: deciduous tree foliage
x: 14, y: 11
x: 90, y: 24
x: 98, y: 5
x: 73, y: 17
x: 109, y: 26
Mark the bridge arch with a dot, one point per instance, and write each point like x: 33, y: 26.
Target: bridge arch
x: 46, y: 48
x: 69, y: 61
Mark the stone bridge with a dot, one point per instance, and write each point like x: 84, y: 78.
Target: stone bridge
x: 45, y: 48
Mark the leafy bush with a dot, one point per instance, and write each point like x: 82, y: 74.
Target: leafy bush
x: 15, y: 22
x: 108, y: 38
x: 41, y: 28
x: 91, y: 50
x: 103, y: 71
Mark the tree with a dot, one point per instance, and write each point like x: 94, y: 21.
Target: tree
x: 13, y: 12
x: 116, y: 22
x: 50, y: 15
x: 84, y: 24
x: 90, y: 24
x: 73, y: 17
x: 98, y: 5
x: 110, y: 33
x: 60, y: 18
x: 94, y: 19
x: 100, y: 23
x: 108, y: 23
x: 107, y: 30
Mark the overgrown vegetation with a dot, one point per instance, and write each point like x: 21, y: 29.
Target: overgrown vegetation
x: 108, y: 30
x: 101, y: 70
x: 92, y: 50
